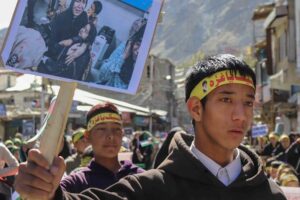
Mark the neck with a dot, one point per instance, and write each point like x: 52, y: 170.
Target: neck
x: 111, y: 164
x: 222, y: 156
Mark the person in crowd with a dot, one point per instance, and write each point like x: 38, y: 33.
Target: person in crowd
x: 164, y: 150
x: 142, y: 148
x: 146, y: 148
x: 286, y: 168
x: 137, y: 156
x: 210, y: 165
x: 261, y: 143
x: 293, y: 155
x: 273, y: 144
x: 116, y: 71
x: 65, y: 149
x: 19, y: 136
x: 280, y: 151
x: 288, y: 180
x: 274, y: 169
x: 80, y: 143
x: 14, y: 149
x: 8, y: 169
x: 104, y: 132
x: 8, y: 159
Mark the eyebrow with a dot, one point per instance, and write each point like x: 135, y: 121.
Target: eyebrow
x: 230, y: 93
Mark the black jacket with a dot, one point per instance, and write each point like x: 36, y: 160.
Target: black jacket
x: 182, y: 176
x: 65, y: 26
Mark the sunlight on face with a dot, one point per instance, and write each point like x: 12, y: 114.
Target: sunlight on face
x: 106, y: 139
x: 230, y: 109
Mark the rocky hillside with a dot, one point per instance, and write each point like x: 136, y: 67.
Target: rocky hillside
x: 212, y: 26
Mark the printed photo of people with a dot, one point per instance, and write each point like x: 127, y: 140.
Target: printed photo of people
x: 96, y: 42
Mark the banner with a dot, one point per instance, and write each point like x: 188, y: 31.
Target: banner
x: 259, y: 130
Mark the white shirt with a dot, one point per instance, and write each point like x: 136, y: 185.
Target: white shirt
x: 225, y: 174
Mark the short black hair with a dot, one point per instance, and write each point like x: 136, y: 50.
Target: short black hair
x: 98, y: 7
x: 213, y: 64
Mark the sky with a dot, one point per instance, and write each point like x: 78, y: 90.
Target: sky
x: 6, y: 12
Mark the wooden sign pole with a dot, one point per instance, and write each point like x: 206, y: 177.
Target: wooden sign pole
x: 53, y: 131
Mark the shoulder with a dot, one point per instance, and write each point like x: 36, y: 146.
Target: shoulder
x: 79, y: 172
x: 143, y: 185
x: 128, y: 165
x: 153, y: 176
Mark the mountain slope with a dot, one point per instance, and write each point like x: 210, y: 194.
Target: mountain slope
x: 213, y: 26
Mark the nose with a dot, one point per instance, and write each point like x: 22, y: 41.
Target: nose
x: 110, y: 134
x: 239, y: 112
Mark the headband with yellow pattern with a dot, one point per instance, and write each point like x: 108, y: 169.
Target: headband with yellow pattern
x: 103, y: 118
x: 218, y: 79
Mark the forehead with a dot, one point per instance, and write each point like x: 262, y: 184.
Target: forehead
x: 234, y: 89
x: 108, y: 125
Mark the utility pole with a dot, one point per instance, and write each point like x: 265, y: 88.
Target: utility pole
x: 151, y: 93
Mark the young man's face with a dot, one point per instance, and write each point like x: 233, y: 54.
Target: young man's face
x: 226, y: 117
x: 78, y: 7
x: 106, y: 139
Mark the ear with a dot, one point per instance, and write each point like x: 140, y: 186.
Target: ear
x: 87, y: 135
x: 195, y: 108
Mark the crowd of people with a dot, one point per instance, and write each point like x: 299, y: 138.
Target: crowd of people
x: 210, y: 162
x: 281, y: 155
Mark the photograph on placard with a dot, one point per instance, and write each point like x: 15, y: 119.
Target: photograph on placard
x: 102, y: 43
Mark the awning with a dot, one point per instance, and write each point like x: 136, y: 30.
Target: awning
x: 277, y: 81
x: 88, y: 99
x: 25, y: 82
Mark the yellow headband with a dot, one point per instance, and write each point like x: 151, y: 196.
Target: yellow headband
x: 218, y: 79
x: 77, y: 135
x: 103, y: 118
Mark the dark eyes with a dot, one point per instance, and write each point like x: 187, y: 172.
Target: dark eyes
x: 226, y: 100
x: 229, y: 100
x: 249, y: 103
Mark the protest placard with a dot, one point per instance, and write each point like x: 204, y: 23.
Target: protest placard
x: 259, y: 130
x: 99, y: 43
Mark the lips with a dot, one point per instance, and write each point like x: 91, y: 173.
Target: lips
x: 237, y: 131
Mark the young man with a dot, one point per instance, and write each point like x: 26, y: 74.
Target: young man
x: 212, y: 165
x: 104, y: 132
